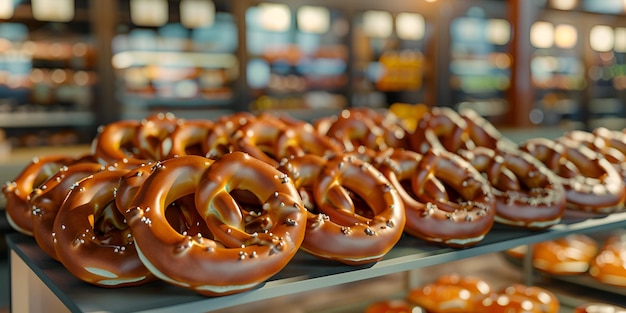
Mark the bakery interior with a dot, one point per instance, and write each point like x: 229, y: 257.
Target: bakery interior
x: 531, y: 68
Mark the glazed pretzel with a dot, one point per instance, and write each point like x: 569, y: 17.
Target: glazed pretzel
x: 357, y: 127
x: 114, y: 143
x: 447, y: 201
x: 151, y: 131
x: 610, y: 143
x: 247, y: 247
x: 91, y: 238
x: 442, y: 127
x: 591, y: 182
x: 528, y: 194
x: 355, y: 215
x: 190, y: 137
x: 48, y: 197
x: 17, y: 192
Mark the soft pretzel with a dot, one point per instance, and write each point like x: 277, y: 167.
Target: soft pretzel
x: 447, y: 201
x: 46, y: 199
x: 591, y: 182
x: 189, y: 137
x: 247, y: 247
x: 114, y: 143
x: 528, y: 194
x: 451, y: 294
x: 355, y: 215
x: 151, y: 131
x: 17, y: 192
x: 91, y: 238
x: 357, y: 127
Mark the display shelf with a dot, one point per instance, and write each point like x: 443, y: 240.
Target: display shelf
x: 303, y: 273
x: 46, y: 119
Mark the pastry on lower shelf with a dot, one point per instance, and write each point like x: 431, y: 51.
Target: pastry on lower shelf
x: 393, y: 306
x: 520, y: 298
x: 598, y: 308
x: 569, y: 255
x: 609, y: 266
x: 451, y: 294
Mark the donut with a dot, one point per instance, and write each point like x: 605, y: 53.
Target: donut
x: 569, y: 255
x: 46, y: 199
x: 90, y: 237
x: 17, y: 192
x: 244, y: 249
x: 447, y: 201
x: 528, y: 194
x: 591, y: 183
x: 609, y: 266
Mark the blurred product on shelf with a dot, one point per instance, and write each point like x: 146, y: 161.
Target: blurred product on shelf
x: 599, y: 308
x: 394, y: 306
x: 609, y: 266
x: 570, y: 255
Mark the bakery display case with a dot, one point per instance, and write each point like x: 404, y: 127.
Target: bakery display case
x: 63, y: 77
x: 479, y: 63
x: 48, y: 77
x: 296, y: 59
x: 50, y: 285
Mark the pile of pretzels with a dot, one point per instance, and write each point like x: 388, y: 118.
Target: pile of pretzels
x: 220, y: 206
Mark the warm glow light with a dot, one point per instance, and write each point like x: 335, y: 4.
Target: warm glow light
x: 197, y: 13
x: 274, y: 16
x: 377, y: 23
x: 565, y: 36
x: 620, y: 39
x: 542, y: 35
x: 312, y: 19
x: 601, y: 38
x: 498, y: 31
x: 148, y: 12
x: 53, y: 10
x: 410, y: 26
x: 564, y: 4
x: 6, y: 9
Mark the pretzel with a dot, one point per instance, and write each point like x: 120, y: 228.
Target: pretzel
x: 363, y: 127
x: 591, y: 183
x: 17, y: 192
x: 444, y: 128
x: 528, y: 194
x: 114, y: 143
x: 247, y: 247
x: 447, y: 201
x: 90, y: 237
x: 355, y: 215
x: 189, y: 137
x: 151, y: 131
x: 46, y: 199
x: 610, y: 143
x: 451, y: 293
x: 272, y: 138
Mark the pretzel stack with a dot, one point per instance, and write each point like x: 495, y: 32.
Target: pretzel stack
x: 183, y: 200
